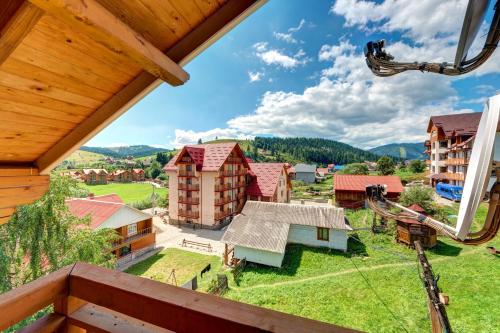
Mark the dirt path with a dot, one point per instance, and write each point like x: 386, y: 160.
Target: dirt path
x: 348, y: 271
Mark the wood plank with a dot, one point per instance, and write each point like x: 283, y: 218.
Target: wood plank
x: 181, y: 310
x: 49, y: 323
x: 17, y: 304
x: 93, y: 19
x: 28, y: 138
x: 95, y: 318
x: 195, y: 42
x: 28, y: 110
x: 7, y: 212
x: 13, y: 171
x: 20, y: 118
x: 66, y: 306
x: 4, y: 219
x: 188, y: 10
x: 20, y: 96
x: 17, y: 28
x: 23, y: 181
x: 35, y: 128
x: 11, y: 197
x: 164, y: 13
x: 39, y: 88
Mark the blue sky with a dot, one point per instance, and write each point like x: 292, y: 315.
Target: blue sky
x: 295, y: 68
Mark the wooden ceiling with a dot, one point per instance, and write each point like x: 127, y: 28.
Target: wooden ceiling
x: 68, y: 68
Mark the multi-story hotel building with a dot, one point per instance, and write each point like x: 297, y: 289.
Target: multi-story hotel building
x: 449, y: 146
x: 208, y: 183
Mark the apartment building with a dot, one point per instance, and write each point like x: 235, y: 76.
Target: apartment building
x: 451, y: 138
x: 208, y: 184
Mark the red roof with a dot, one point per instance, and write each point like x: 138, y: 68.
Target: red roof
x: 266, y: 178
x: 113, y: 197
x: 322, y: 170
x: 99, y: 211
x: 207, y: 157
x: 358, y: 183
x: 456, y: 124
x: 416, y: 208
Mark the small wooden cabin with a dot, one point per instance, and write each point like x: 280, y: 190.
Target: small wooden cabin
x: 408, y: 230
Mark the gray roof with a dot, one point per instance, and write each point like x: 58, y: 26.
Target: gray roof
x: 265, y: 225
x: 305, y: 168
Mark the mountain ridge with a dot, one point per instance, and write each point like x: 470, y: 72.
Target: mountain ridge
x: 406, y: 150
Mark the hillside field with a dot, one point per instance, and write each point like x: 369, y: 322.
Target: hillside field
x: 129, y: 192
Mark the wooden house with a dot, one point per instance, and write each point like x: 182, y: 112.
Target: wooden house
x: 138, y: 175
x: 94, y: 176
x: 69, y: 68
x: 122, y: 176
x: 408, y: 231
x: 350, y: 190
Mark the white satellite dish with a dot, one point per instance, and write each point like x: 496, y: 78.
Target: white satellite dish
x: 485, y: 151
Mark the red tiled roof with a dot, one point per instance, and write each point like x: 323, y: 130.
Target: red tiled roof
x: 456, y: 124
x: 113, y: 197
x: 266, y: 178
x: 416, y: 208
x: 358, y: 183
x: 322, y: 170
x: 208, y: 157
x: 99, y: 211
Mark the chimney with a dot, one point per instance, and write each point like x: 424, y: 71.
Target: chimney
x: 90, y: 196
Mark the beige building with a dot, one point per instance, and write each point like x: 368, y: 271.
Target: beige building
x: 451, y: 138
x: 208, y: 184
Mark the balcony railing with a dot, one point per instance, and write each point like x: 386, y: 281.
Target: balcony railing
x: 223, y: 201
x: 97, y: 299
x: 232, y: 173
x: 189, y: 201
x: 185, y: 173
x: 456, y: 161
x: 234, y: 160
x: 188, y: 213
x: 189, y: 187
x: 241, y: 195
x: 454, y: 176
x: 129, y: 239
x: 427, y: 162
x: 220, y: 215
x: 226, y: 187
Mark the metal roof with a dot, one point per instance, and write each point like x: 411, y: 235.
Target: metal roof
x: 265, y: 225
x: 305, y: 168
x: 358, y: 183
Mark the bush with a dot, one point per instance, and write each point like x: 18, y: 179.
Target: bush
x: 355, y: 169
x: 423, y: 196
x: 386, y: 166
x: 417, y: 166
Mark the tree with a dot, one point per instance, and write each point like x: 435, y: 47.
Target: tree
x: 417, y: 166
x: 162, y: 158
x: 154, y: 170
x: 355, y: 169
x: 423, y: 196
x: 386, y: 165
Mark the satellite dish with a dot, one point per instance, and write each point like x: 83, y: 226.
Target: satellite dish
x: 485, y: 151
x: 474, y: 16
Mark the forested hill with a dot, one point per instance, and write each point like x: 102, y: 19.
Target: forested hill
x: 122, y: 152
x: 309, y: 150
x: 410, y: 151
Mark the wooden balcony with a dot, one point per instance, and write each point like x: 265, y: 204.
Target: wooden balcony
x: 454, y: 176
x: 428, y: 162
x: 189, y: 201
x: 189, y: 187
x: 88, y: 298
x: 188, y: 214
x: 220, y: 215
x: 146, y: 232
x: 456, y: 161
x: 234, y: 160
x: 185, y: 173
x: 223, y: 201
x: 241, y: 195
x: 233, y: 173
x: 223, y: 187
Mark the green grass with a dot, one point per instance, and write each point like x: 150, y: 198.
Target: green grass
x: 408, y: 176
x: 186, y: 264
x: 129, y: 192
x: 84, y: 157
x: 300, y: 190
x: 327, y: 286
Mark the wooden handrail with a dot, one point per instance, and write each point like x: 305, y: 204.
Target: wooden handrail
x: 108, y: 298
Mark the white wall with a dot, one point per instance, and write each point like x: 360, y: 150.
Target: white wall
x: 259, y: 256
x: 207, y: 188
x: 173, y: 195
x: 308, y: 235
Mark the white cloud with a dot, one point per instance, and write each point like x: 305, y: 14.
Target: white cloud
x: 255, y: 76
x: 297, y: 28
x: 286, y: 37
x: 277, y: 57
x: 330, y: 52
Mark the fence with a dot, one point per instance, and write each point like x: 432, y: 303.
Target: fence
x: 132, y: 255
x: 218, y: 286
x: 206, y: 246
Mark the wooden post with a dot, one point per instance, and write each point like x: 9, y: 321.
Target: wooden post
x: 66, y: 306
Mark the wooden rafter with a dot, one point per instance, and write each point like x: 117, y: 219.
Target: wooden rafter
x: 91, y: 18
x: 17, y: 27
x: 189, y: 47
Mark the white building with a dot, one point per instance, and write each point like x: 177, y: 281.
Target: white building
x: 263, y: 229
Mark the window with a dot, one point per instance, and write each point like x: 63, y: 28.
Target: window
x: 188, y: 167
x: 323, y: 234
x: 132, y: 229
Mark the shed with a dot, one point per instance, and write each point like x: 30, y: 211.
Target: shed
x: 263, y: 229
x: 305, y: 172
x: 350, y: 190
x: 408, y: 230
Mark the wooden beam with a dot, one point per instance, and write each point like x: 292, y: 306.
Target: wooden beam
x: 181, y: 310
x: 47, y: 324
x: 17, y: 304
x: 209, y: 31
x: 15, y: 29
x: 91, y: 18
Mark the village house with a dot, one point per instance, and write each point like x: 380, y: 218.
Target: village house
x: 305, y: 173
x: 121, y: 176
x: 94, y: 176
x: 210, y: 183
x: 449, y: 147
x: 269, y: 182
x: 263, y: 229
x: 350, y: 190
x: 134, y: 227
x: 138, y: 175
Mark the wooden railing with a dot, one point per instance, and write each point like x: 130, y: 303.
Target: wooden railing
x: 189, y: 187
x: 234, y: 160
x: 220, y: 215
x: 185, y: 173
x: 189, y: 201
x: 222, y: 187
x: 222, y: 201
x: 454, y: 176
x: 88, y: 298
x: 427, y: 162
x: 188, y: 214
x: 231, y: 173
x: 456, y: 161
x: 125, y: 240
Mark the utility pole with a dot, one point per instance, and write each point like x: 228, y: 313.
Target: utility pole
x: 439, y: 318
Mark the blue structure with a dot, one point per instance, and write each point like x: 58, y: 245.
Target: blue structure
x: 451, y: 192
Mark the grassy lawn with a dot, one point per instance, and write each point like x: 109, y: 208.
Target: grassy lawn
x: 350, y: 289
x: 186, y: 264
x: 301, y: 190
x: 129, y: 192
